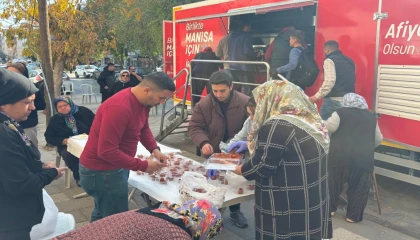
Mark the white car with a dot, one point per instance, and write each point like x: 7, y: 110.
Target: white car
x: 84, y: 70
x: 36, y: 76
x: 159, y: 69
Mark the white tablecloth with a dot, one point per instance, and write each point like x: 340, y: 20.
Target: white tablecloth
x: 169, y: 192
x: 76, y: 145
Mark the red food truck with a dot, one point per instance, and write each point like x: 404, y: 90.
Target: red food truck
x: 381, y: 36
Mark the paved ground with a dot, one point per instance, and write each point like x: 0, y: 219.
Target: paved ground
x: 400, y: 201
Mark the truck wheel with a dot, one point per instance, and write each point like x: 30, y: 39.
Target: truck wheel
x: 84, y: 75
x: 77, y: 75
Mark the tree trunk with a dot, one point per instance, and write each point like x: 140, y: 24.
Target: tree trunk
x: 45, y: 54
x: 58, y: 76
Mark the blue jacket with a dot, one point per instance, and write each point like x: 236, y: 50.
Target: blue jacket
x: 240, y: 49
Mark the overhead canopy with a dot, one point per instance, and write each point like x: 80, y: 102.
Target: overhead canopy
x: 257, y: 9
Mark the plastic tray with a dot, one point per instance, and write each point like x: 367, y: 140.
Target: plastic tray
x: 217, y: 162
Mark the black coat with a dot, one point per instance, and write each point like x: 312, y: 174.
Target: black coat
x: 21, y: 182
x: 203, y: 69
x: 118, y: 86
x: 106, y: 79
x: 58, y: 130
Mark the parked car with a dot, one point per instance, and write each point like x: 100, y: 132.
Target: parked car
x: 84, y: 70
x: 159, y: 69
x: 37, y: 76
x: 98, y: 70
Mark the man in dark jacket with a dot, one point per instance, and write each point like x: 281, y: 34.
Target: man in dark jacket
x: 218, y: 118
x: 203, y: 70
x: 135, y: 79
x: 240, y: 49
x: 277, y: 54
x: 106, y: 80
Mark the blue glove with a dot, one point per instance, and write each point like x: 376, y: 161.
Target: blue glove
x: 211, y: 173
x: 239, y: 146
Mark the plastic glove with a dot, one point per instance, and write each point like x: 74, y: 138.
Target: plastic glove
x: 239, y: 146
x: 211, y: 173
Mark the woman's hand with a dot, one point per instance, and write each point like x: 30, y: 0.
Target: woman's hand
x: 65, y: 141
x: 239, y: 146
x: 238, y: 170
x: 48, y: 165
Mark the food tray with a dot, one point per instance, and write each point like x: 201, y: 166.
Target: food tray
x: 223, y: 161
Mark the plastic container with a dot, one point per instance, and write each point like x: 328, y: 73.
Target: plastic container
x: 223, y: 161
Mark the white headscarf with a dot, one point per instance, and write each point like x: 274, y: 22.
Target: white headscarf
x: 120, y: 77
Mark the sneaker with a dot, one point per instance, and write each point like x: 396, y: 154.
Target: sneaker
x: 239, y: 219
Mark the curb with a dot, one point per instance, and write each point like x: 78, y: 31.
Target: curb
x: 390, y: 225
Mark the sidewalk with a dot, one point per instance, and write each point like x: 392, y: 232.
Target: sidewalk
x: 400, y: 201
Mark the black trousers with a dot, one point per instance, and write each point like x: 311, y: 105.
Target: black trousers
x: 243, y: 77
x: 359, y: 181
x: 72, y: 163
x: 17, y: 234
x: 235, y: 207
x: 198, y: 87
x: 105, y: 96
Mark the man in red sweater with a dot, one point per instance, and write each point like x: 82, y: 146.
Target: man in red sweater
x: 120, y: 123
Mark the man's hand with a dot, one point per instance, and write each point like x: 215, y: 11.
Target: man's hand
x: 48, y: 165
x: 139, y: 78
x: 207, y: 149
x: 65, y: 141
x: 160, y: 156
x: 313, y: 99
x: 153, y: 165
x: 60, y: 172
x: 106, y: 87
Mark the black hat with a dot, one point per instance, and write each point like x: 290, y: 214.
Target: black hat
x: 14, y: 87
x: 110, y: 64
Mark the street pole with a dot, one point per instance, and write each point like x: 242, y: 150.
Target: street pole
x: 45, y: 53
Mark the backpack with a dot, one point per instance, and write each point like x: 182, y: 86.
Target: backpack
x: 306, y: 72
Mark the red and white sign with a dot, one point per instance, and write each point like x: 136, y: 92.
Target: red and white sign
x: 168, y: 47
x: 195, y: 36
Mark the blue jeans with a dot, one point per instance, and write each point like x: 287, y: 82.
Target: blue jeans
x: 109, y: 190
x: 328, y: 107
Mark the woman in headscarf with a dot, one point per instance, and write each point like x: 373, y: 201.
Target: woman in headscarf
x: 354, y: 136
x: 70, y: 120
x: 22, y: 174
x: 123, y: 82
x: 289, y: 146
x: 195, y: 219
x: 29, y: 125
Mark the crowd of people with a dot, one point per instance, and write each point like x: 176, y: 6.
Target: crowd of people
x: 300, y: 159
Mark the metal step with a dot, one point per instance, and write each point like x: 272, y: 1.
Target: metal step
x: 174, y: 124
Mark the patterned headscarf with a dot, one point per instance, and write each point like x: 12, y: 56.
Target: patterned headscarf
x: 284, y: 100
x: 201, y: 217
x: 354, y: 100
x: 70, y: 120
